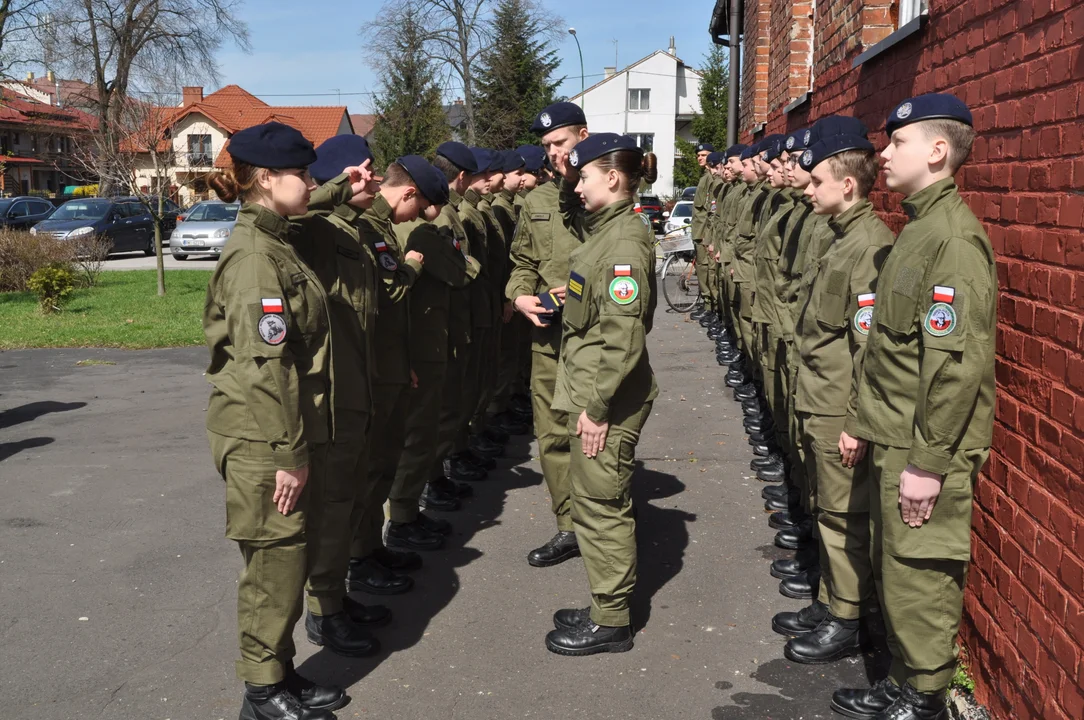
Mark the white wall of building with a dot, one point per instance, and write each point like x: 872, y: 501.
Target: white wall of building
x: 674, y: 90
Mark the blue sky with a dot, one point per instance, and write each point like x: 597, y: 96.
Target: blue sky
x: 303, y: 52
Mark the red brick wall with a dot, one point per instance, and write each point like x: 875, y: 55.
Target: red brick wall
x: 755, y: 60
x: 1019, y: 65
x: 790, y: 48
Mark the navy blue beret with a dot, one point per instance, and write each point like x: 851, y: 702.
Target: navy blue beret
x: 715, y: 158
x: 595, y: 146
x: 511, y: 160
x: 796, y: 140
x: 934, y: 106
x: 430, y: 182
x: 483, y: 158
x: 835, y: 125
x: 825, y: 148
x: 459, y: 155
x: 735, y: 150
x: 772, y: 146
x: 558, y: 115
x: 749, y: 152
x: 705, y: 146
x: 336, y: 153
x: 533, y: 157
x: 272, y: 145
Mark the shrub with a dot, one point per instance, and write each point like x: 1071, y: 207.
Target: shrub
x: 88, y: 258
x: 52, y: 284
x: 22, y: 253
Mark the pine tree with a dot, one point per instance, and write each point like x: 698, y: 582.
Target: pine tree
x: 410, y: 115
x: 687, y: 170
x: 710, y: 124
x: 514, y: 81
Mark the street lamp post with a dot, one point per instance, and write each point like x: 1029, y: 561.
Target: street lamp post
x: 572, y: 32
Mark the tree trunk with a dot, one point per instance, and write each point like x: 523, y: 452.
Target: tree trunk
x: 464, y: 59
x: 158, y: 231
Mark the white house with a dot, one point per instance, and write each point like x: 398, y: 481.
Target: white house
x: 654, y: 100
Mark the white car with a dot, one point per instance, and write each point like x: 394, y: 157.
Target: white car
x: 679, y: 217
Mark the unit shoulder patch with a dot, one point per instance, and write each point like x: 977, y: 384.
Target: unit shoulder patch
x: 863, y: 320
x: 940, y: 320
x: 624, y: 290
x: 272, y: 329
x: 388, y: 262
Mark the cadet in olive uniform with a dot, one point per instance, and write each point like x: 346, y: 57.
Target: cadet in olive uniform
x: 831, y: 334
x: 698, y: 226
x: 540, y: 253
x: 268, y: 329
x: 605, y: 382
x: 925, y: 406
x: 328, y: 243
x: 727, y: 351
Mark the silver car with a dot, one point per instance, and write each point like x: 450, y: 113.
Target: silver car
x: 204, y: 229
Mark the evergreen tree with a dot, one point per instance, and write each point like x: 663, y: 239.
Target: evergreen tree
x: 687, y: 170
x: 410, y: 114
x: 710, y: 124
x: 514, y: 80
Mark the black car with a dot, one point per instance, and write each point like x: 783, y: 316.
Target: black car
x: 24, y: 212
x: 651, y: 206
x: 125, y: 221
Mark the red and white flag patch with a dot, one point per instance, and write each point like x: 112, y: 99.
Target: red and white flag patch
x: 622, y: 270
x: 271, y: 305
x: 944, y: 294
x: 381, y: 246
x: 866, y: 299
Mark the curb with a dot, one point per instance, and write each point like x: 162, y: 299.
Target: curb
x: 962, y: 706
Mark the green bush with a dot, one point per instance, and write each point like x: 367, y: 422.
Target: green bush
x: 53, y: 284
x: 22, y: 253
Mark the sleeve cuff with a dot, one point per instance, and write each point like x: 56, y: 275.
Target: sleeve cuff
x: 287, y: 459
x: 598, y: 412
x: 930, y: 460
x: 413, y: 265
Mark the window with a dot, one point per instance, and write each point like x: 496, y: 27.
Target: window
x: 40, y: 208
x: 199, y: 150
x: 639, y: 99
x: 645, y: 141
x: 910, y: 9
x: 19, y: 209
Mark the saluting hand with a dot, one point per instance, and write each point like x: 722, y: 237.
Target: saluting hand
x: 592, y: 435
x: 360, y: 176
x: 288, y: 487
x: 918, y: 494
x: 852, y: 449
x: 415, y: 255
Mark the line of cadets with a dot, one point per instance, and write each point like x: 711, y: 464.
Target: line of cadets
x: 864, y: 366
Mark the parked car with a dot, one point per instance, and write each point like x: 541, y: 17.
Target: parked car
x: 24, y: 212
x: 680, y: 216
x: 124, y: 221
x: 688, y: 193
x: 204, y: 229
x: 651, y: 206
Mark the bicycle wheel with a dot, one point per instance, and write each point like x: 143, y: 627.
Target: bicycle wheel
x: 680, y: 286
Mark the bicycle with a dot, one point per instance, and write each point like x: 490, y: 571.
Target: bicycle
x: 680, y: 285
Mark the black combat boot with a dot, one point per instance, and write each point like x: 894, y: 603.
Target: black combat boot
x: 311, y: 695
x: 589, y: 639
x: 915, y: 705
x: 804, y: 621
x: 561, y: 547
x: 276, y: 702
x: 864, y: 703
x: 834, y: 639
x: 802, y: 586
x: 571, y: 618
x: 339, y: 634
x: 413, y: 536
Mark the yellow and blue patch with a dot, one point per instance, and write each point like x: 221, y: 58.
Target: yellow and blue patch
x: 575, y: 285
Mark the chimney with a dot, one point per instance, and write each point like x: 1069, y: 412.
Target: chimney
x: 191, y: 96
x: 30, y: 77
x: 459, y: 101
x: 50, y: 77
x: 673, y: 48
x: 609, y: 70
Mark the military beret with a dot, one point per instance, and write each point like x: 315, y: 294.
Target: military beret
x: 459, y: 155
x: 715, y: 158
x: 705, y: 147
x: 796, y: 140
x: 825, y: 148
x: 336, y: 153
x: 558, y: 115
x: 511, y: 160
x: 735, y: 150
x: 272, y: 145
x: 749, y: 151
x: 595, y: 146
x: 933, y: 106
x: 835, y: 125
x: 533, y: 156
x: 772, y: 146
x: 430, y: 182
x: 483, y: 158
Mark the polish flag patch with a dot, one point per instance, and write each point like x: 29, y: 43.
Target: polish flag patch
x: 866, y: 299
x: 381, y: 246
x: 271, y: 305
x: 622, y: 270
x: 944, y: 294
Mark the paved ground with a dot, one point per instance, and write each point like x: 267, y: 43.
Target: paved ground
x: 118, y: 585
x: 139, y: 261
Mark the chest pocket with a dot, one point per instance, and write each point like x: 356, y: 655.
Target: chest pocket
x: 832, y: 295
x: 306, y: 306
x: 347, y: 287
x: 542, y: 234
x: 896, y: 310
x: 577, y: 297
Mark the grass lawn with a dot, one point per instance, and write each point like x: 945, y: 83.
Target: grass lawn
x: 123, y: 311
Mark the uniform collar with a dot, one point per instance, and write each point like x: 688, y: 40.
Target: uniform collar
x: 380, y: 209
x: 454, y: 198
x: 846, y: 220
x: 267, y: 220
x: 923, y: 201
x: 596, y: 220
x: 472, y: 197
x: 507, y: 195
x: 348, y: 212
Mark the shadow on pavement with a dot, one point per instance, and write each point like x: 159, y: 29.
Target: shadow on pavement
x: 662, y: 536
x: 11, y: 448
x: 34, y: 410
x: 437, y: 582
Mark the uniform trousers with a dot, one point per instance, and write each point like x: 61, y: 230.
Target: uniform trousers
x: 602, y: 515
x: 330, y: 523
x: 420, y: 441
x: 551, y: 431
x: 274, y: 549
x: 921, y: 572
x: 454, y: 398
x: 385, y: 447
x: 702, y: 274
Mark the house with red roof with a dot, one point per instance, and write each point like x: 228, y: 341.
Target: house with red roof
x: 195, y: 136
x: 37, y: 142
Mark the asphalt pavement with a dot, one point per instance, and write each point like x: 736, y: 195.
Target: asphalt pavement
x: 118, y: 586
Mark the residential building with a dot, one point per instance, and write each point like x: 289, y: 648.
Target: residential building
x: 37, y: 143
x: 195, y: 135
x: 363, y: 125
x: 654, y: 100
x: 1018, y: 65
